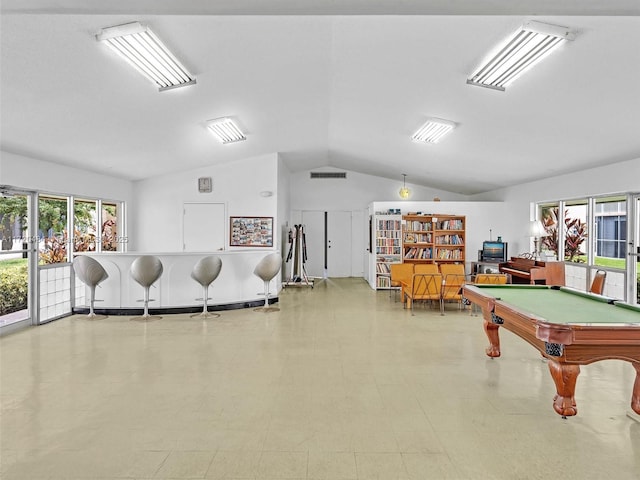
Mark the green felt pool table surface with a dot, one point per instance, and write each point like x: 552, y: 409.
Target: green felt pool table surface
x: 563, y: 305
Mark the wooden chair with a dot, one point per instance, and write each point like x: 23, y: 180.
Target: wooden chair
x: 492, y: 278
x: 451, y: 269
x: 597, y: 285
x: 426, y: 268
x: 399, y: 273
x: 489, y: 279
x: 424, y: 286
x: 454, y: 278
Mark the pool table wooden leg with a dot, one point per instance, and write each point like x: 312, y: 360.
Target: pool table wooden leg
x: 635, y: 396
x: 565, y: 377
x: 491, y: 329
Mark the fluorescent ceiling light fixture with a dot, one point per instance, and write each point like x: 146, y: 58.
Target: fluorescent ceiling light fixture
x: 226, y: 130
x: 521, y: 51
x: 139, y: 46
x: 433, y: 130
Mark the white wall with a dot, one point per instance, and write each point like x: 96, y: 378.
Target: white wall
x: 614, y: 178
x: 157, y: 206
x: 284, y: 205
x: 355, y: 192
x: 38, y: 175
x: 619, y: 177
x: 359, y: 190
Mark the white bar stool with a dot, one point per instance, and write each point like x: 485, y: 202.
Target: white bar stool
x: 205, y: 271
x: 145, y: 270
x: 266, y: 269
x: 92, y: 273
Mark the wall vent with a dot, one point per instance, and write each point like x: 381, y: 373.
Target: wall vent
x: 328, y: 174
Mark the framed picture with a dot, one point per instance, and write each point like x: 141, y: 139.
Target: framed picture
x: 251, y: 232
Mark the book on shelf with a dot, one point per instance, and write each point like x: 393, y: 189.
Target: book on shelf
x: 418, y: 253
x: 429, y: 238
x: 449, y: 254
x: 452, y: 224
x: 383, y: 268
x: 388, y: 234
x: 389, y: 225
x: 417, y: 226
x: 449, y: 240
x: 387, y: 242
x: 421, y: 238
x: 425, y: 254
x: 388, y: 250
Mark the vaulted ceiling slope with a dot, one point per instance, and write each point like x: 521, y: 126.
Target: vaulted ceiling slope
x: 326, y: 7
x: 325, y: 83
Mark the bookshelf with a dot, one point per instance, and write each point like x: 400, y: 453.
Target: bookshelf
x: 388, y: 247
x: 433, y: 238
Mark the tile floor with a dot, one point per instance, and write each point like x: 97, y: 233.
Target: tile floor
x: 341, y: 384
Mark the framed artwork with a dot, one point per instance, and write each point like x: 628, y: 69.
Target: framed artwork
x: 251, y: 232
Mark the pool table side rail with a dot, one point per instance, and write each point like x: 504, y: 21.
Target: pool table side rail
x: 627, y: 306
x: 589, y: 334
x: 582, y: 344
x: 579, y: 345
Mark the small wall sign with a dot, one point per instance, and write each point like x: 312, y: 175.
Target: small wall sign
x: 205, y: 185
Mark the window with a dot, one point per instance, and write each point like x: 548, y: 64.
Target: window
x: 610, y: 232
x: 566, y: 234
x: 84, y: 225
x: 549, y: 218
x: 109, y: 229
x: 575, y: 231
x: 14, y: 257
x: 52, y: 229
x: 598, y: 233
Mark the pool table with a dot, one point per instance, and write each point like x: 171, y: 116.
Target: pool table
x: 570, y: 328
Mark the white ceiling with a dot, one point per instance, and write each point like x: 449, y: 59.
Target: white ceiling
x: 325, y: 83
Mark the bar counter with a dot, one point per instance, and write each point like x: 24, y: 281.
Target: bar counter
x: 176, y: 291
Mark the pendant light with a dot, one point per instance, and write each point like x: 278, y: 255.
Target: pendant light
x: 404, y: 191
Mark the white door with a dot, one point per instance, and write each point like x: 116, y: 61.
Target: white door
x: 203, y: 227
x: 338, y: 244
x: 313, y: 222
x: 329, y: 246
x: 16, y: 228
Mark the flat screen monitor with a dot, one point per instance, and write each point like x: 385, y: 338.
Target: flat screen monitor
x: 494, y: 251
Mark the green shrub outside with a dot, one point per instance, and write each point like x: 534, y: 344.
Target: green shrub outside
x: 13, y: 288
